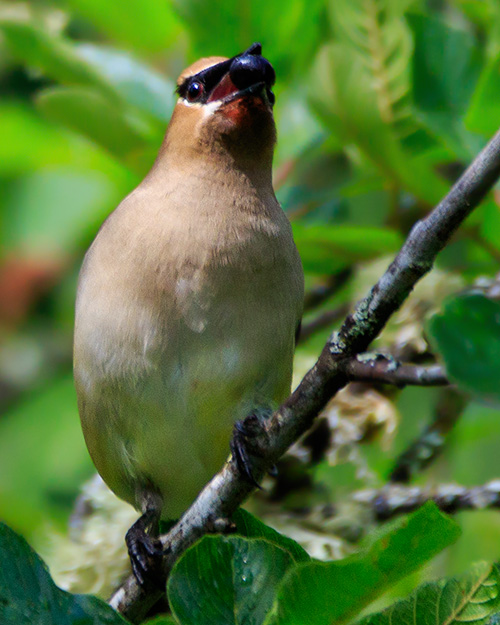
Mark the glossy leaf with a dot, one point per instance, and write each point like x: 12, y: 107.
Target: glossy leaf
x: 472, y: 598
x: 467, y: 335
x: 249, y: 526
x: 28, y: 595
x: 321, y: 593
x: 226, y: 580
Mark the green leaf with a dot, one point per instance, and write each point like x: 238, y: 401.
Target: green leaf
x: 28, y: 595
x: 472, y: 598
x: 467, y: 335
x: 146, y: 25
x: 321, y: 593
x: 328, y: 248
x: 343, y: 94
x: 250, y: 526
x: 87, y: 112
x: 163, y: 619
x: 447, y: 62
x: 446, y: 66
x: 138, y: 85
x: 51, y: 54
x: 226, y: 580
x: 360, y: 87
x: 377, y: 34
x: 117, y: 75
x: 48, y: 145
x: 146, y: 97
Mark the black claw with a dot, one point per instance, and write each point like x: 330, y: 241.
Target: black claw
x: 239, y: 448
x: 145, y: 551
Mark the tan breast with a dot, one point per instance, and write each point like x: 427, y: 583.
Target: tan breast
x: 185, y: 319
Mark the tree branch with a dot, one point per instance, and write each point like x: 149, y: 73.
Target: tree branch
x: 228, y: 489
x: 394, y: 499
x: 378, y: 368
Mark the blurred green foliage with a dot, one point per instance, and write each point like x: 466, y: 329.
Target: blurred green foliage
x: 380, y: 105
x: 467, y: 331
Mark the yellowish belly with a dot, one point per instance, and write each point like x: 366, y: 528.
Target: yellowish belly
x: 169, y: 428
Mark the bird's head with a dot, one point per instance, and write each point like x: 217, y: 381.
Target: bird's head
x: 225, y: 106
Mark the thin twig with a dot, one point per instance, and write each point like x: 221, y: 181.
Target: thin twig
x: 228, y: 489
x: 376, y: 368
x: 394, y: 499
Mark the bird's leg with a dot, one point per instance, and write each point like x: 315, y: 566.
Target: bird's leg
x: 145, y: 549
x: 242, y: 448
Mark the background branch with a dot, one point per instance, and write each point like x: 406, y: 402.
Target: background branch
x: 228, y: 489
x: 394, y: 499
x: 380, y: 369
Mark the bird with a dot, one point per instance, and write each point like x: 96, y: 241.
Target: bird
x: 188, y: 300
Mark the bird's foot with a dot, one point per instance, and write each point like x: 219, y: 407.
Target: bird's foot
x: 145, y: 550
x: 245, y: 432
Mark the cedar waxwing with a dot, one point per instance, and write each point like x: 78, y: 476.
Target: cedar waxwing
x: 189, y: 299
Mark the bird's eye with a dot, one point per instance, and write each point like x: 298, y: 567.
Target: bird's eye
x: 194, y: 91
